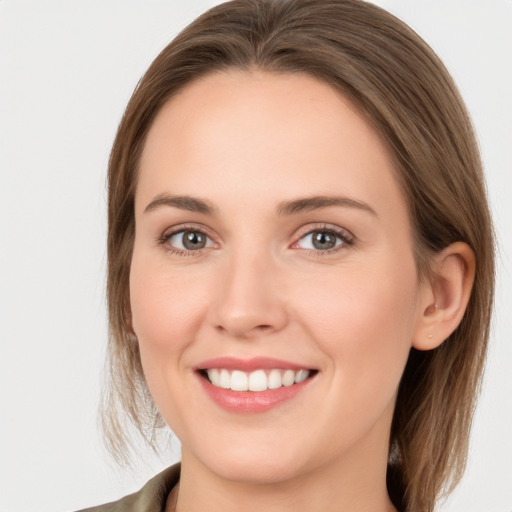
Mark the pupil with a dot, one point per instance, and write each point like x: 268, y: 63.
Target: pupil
x: 323, y: 240
x: 193, y: 240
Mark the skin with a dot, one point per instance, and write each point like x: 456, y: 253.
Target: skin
x: 245, y: 142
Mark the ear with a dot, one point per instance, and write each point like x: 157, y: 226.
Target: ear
x: 445, y: 297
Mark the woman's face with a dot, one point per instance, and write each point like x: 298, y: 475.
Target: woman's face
x: 272, y: 243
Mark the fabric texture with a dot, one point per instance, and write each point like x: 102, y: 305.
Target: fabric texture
x: 151, y: 498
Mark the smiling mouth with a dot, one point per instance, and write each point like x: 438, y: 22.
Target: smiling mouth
x: 257, y: 380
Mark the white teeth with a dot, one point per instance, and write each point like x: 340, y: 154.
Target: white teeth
x: 301, y: 376
x: 214, y: 375
x: 288, y: 378
x: 239, y: 381
x: 224, y: 379
x: 258, y: 380
x: 274, y: 379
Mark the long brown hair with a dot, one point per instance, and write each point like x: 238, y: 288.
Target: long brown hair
x: 398, y: 83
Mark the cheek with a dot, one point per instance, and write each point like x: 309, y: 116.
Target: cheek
x: 164, y: 309
x: 165, y: 318
x: 364, y: 321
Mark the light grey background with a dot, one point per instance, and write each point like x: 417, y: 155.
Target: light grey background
x: 67, y: 69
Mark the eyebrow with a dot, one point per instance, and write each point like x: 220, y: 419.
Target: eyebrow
x: 194, y: 204
x: 317, y: 202
x: 189, y: 203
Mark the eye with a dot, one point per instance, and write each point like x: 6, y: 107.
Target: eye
x: 188, y: 240
x: 323, y: 240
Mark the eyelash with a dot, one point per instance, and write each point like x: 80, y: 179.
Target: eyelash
x: 347, y: 240
x: 164, y: 239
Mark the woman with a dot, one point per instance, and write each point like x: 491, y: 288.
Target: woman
x: 300, y: 263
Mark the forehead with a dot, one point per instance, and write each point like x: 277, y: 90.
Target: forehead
x: 257, y: 134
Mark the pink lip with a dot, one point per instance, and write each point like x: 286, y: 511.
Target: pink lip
x: 250, y: 401
x: 249, y: 365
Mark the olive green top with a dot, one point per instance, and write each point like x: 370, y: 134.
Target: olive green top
x: 151, y: 498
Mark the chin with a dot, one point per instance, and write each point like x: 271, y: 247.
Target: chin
x: 255, y: 464
x: 258, y: 472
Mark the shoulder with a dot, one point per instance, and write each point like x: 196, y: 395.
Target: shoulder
x: 151, y: 498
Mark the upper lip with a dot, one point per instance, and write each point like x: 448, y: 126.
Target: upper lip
x: 249, y: 365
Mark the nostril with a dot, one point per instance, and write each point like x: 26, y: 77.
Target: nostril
x: 243, y: 329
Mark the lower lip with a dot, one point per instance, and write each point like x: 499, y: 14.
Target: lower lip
x: 252, y: 401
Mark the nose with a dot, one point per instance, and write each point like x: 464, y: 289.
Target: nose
x: 250, y: 301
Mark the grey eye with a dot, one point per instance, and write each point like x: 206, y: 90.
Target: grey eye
x: 320, y: 241
x: 189, y: 240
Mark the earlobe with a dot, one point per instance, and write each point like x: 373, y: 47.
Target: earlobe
x: 446, y: 296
